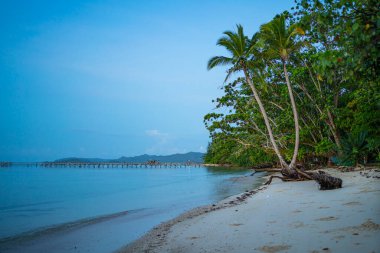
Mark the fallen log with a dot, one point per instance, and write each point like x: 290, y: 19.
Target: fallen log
x: 325, y: 181
x: 284, y: 179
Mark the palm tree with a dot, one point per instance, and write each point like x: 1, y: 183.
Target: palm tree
x: 241, y: 49
x: 280, y: 42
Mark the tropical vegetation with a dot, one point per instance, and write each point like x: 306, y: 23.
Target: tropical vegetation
x: 303, y: 89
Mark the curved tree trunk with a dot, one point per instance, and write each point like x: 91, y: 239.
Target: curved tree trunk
x: 296, y: 122
x: 266, y: 120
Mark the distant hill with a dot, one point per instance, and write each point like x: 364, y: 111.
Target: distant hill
x: 195, y: 157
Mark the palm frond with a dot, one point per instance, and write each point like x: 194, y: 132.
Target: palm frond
x: 218, y: 61
x: 241, y: 37
x: 239, y: 47
x: 229, y: 44
x: 280, y: 37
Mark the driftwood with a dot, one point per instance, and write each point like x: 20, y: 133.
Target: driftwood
x: 265, y: 170
x: 325, y: 181
x: 284, y: 179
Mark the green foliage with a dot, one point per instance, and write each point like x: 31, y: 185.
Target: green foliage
x: 332, y: 53
x: 324, y: 147
x: 238, y: 46
x: 229, y: 152
x: 278, y: 38
x: 355, y: 149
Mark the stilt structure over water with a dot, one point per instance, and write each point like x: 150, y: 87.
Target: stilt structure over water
x: 103, y: 165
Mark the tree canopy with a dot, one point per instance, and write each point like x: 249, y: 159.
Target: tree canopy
x: 324, y: 53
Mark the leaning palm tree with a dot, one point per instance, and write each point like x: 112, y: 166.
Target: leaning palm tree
x: 280, y: 42
x: 241, y: 49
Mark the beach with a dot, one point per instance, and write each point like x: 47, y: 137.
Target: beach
x: 281, y: 217
x: 101, y: 210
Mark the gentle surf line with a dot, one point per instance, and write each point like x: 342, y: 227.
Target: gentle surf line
x: 13, y: 207
x: 32, y: 234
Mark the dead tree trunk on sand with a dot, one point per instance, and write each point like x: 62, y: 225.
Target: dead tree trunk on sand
x: 325, y: 181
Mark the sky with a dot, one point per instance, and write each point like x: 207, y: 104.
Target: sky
x: 113, y: 78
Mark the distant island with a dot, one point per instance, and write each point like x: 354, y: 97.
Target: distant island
x: 195, y: 157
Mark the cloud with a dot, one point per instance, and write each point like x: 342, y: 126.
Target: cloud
x: 162, y: 142
x: 157, y: 134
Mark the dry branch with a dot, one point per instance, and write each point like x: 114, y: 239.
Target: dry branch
x: 325, y: 181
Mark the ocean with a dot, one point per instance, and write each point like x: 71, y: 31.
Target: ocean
x: 101, y: 210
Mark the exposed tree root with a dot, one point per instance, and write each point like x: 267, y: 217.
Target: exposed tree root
x: 282, y: 178
x: 303, y: 174
x: 265, y: 170
x: 325, y: 181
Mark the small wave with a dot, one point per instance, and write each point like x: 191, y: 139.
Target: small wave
x: 33, y: 234
x: 12, y: 207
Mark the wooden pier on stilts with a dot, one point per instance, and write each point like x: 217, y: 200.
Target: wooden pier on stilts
x: 102, y: 165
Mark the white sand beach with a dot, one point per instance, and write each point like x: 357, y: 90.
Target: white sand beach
x: 283, y: 217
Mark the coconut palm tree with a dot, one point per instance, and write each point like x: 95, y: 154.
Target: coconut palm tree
x: 279, y: 39
x: 241, y: 49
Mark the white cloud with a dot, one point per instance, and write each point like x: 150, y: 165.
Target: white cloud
x: 163, y: 137
x: 162, y: 142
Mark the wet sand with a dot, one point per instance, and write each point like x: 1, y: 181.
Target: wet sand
x: 283, y: 217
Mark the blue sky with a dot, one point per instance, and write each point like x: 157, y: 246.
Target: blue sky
x: 112, y: 78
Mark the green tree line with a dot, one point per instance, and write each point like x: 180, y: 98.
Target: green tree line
x: 302, y: 89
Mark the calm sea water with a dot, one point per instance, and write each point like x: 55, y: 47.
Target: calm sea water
x: 100, y: 210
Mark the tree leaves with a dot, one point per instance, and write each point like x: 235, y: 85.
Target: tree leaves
x: 337, y: 85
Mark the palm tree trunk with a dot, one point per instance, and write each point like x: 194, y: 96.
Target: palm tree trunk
x: 296, y: 122
x: 266, y: 120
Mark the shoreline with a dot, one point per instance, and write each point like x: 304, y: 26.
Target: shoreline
x: 163, y: 199
x: 157, y: 235
x: 288, y: 217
